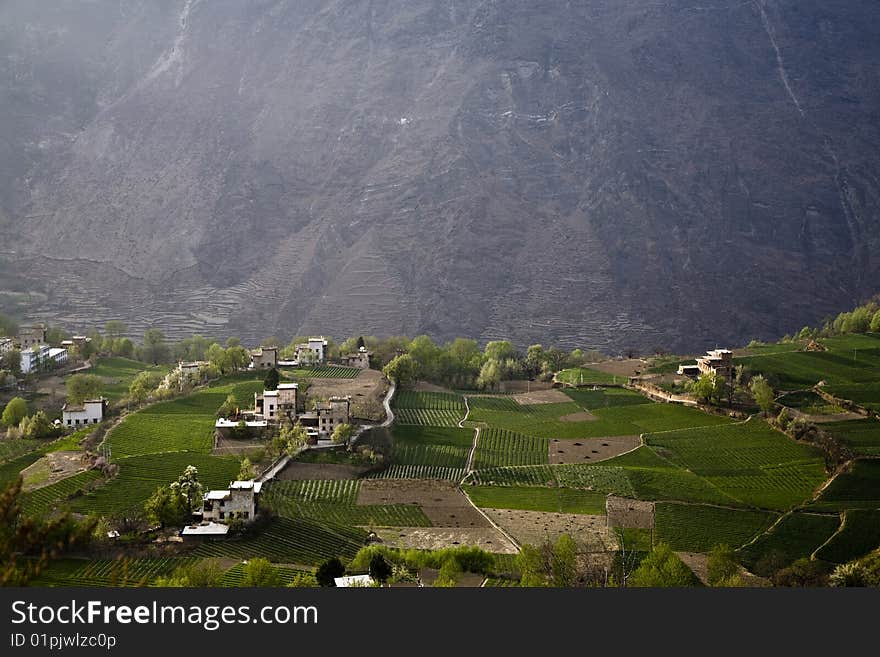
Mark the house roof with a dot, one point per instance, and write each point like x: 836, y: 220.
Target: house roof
x: 288, y: 386
x: 246, y: 485
x: 206, y: 529
x: 217, y: 495
x: 353, y: 581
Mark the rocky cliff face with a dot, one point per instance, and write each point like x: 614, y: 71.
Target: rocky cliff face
x: 605, y: 173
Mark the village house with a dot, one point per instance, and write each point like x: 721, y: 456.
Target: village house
x: 239, y: 501
x: 264, y: 358
x: 359, y: 359
x: 313, y: 352
x: 31, y: 336
x: 6, y: 345
x: 34, y: 358
x: 90, y: 411
x: 717, y: 361
x: 328, y: 415
x: 58, y: 356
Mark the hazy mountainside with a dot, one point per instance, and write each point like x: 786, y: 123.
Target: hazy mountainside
x: 602, y: 173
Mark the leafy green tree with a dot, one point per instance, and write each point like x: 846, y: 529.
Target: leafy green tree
x: 28, y: 544
x: 165, y: 507
x: 83, y: 386
x: 380, y: 569
x: 709, y: 388
x: 329, y: 570
x: 499, y: 350
x: 245, y: 469
x: 875, y: 322
x: 534, y: 566
x: 155, y: 350
x: 115, y: 329
x: 189, y: 489
x: 563, y: 563
x: 16, y: 410
x: 762, y: 393
x: 272, y: 379
x: 259, y: 572
x: 228, y: 407
x: 303, y: 581
x: 490, y: 375
x: 555, y: 359
x: 342, y: 434
x: 722, y: 567
x: 662, y: 568
x: 143, y: 385
x: 11, y: 361
x: 38, y: 426
x: 401, y: 370
x: 237, y: 357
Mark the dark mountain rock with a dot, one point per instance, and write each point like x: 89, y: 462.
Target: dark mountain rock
x: 603, y: 173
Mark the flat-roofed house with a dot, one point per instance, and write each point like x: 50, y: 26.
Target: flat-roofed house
x: 239, y: 501
x: 30, y: 336
x: 312, y: 352
x: 328, y: 415
x: 91, y: 411
x: 35, y: 358
x: 718, y: 362
x: 359, y: 359
x: 264, y: 358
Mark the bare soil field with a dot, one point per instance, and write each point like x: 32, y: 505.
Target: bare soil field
x: 298, y: 471
x: 437, y: 538
x: 524, y: 386
x: 551, y: 396
x: 591, y: 449
x: 442, y: 501
x: 53, y: 468
x: 533, y: 527
x: 627, y: 513
x: 367, y: 391
x: 627, y: 367
x: 580, y: 416
x: 237, y: 447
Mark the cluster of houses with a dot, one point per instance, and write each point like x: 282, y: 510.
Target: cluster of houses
x: 718, y: 362
x: 36, y: 355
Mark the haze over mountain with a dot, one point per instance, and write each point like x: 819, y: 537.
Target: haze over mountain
x: 602, y: 173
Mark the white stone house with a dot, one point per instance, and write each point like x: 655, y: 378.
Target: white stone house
x: 359, y: 359
x: 58, y: 356
x: 6, y: 345
x: 33, y: 358
x: 312, y: 352
x: 239, y: 501
x: 90, y: 412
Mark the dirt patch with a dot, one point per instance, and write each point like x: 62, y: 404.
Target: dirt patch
x: 590, y: 450
x: 629, y: 514
x: 237, y: 447
x: 626, y: 367
x: 437, y: 538
x: 296, y: 471
x: 580, y: 416
x: 823, y: 419
x: 442, y: 501
x: 52, y: 468
x: 533, y: 527
x: 424, y: 386
x: 551, y: 396
x: 524, y: 386
x: 698, y: 563
x: 367, y: 391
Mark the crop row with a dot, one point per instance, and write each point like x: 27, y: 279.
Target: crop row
x: 40, y: 501
x: 500, y: 447
x: 438, y: 401
x: 427, y: 417
x: 419, y: 472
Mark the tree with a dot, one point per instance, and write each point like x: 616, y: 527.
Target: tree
x: 16, y: 410
x: 401, y: 370
x: 218, y: 357
x: 155, y: 350
x: 490, y: 375
x: 259, y: 572
x: 762, y: 393
x: 189, y: 488
x: 722, y: 568
x: 291, y: 439
x: 499, y: 350
x: 380, y: 569
x: 83, y: 386
x: 28, y: 544
x: 271, y: 380
x: 564, y: 562
x: 555, y: 359
x: 245, y: 469
x: 360, y: 343
x: 662, y: 568
x: 875, y: 322
x: 11, y: 361
x: 709, y: 387
x: 328, y: 571
x: 115, y: 329
x: 342, y: 434
x: 143, y: 385
x: 37, y: 426
x: 534, y: 359
x: 164, y: 507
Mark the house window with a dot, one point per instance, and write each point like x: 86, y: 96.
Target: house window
x: 68, y: 421
x: 222, y: 515
x: 95, y: 421
x: 245, y: 515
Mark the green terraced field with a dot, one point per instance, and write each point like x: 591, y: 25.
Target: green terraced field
x: 179, y: 425
x: 108, y: 572
x: 324, y: 372
x: 579, y: 376
x: 335, y: 501
x: 12, y: 449
x: 862, y: 436
x: 437, y: 401
x: 427, y: 417
x: 499, y: 447
x: 235, y: 576
x: 605, y: 397
x: 795, y: 537
x: 118, y: 373
x: 857, y: 489
x: 859, y: 534
x: 39, y: 502
x: 10, y: 470
x: 140, y: 475
x: 431, y: 446
x: 750, y: 462
x: 291, y: 540
x: 543, y: 420
x: 558, y: 500
x: 863, y: 394
x: 698, y: 528
x: 418, y: 472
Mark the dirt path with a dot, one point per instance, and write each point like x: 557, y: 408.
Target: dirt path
x: 469, y: 466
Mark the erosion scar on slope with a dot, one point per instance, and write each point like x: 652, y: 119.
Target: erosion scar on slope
x: 783, y: 74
